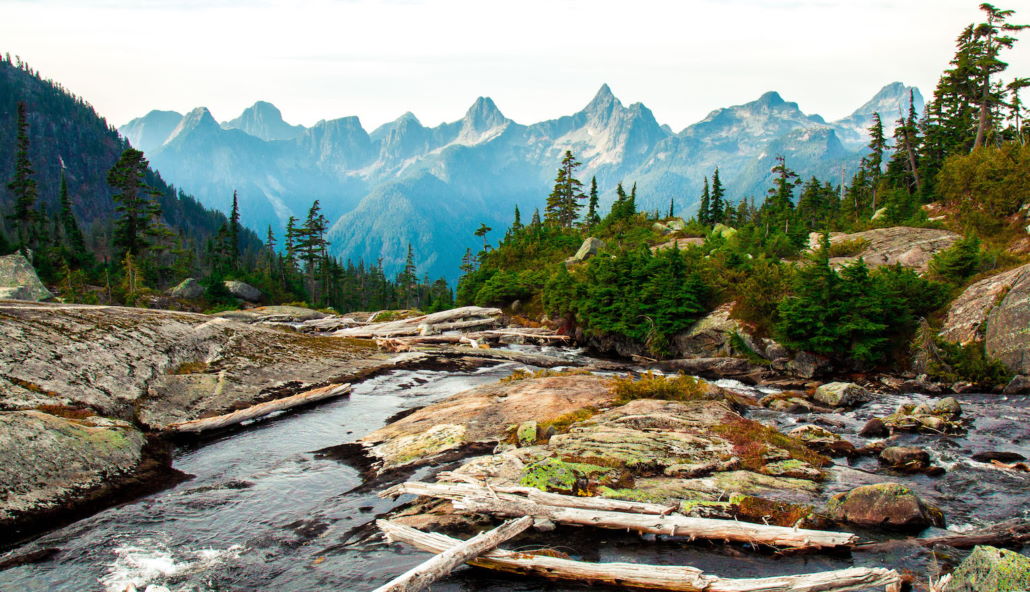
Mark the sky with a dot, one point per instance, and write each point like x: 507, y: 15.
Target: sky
x: 538, y: 59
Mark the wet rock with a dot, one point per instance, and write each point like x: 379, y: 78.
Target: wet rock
x: 243, y: 291
x: 884, y: 505
x: 989, y: 568
x: 709, y: 367
x: 791, y: 402
x: 1019, y: 385
x: 823, y: 440
x: 773, y: 350
x: 809, y: 365
x: 50, y: 463
x: 948, y: 406
x: 1005, y: 457
x: 187, y: 289
x: 961, y: 388
x: 842, y: 394
x: 910, y: 247
x: 874, y: 428
x: 921, y: 418
x: 483, y: 414
x: 906, y: 458
x: 18, y: 280
x: 590, y: 247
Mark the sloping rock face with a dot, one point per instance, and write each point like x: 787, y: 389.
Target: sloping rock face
x: 966, y: 317
x: 1008, y: 326
x: 483, y: 414
x: 911, y: 247
x: 49, y: 459
x: 710, y: 336
x: 18, y: 280
x: 160, y: 367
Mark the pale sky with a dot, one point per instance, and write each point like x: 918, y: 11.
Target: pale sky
x: 538, y: 59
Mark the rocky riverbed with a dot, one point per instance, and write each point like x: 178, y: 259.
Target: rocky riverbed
x: 88, y: 425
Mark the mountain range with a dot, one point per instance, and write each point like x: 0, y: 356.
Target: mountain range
x: 432, y: 186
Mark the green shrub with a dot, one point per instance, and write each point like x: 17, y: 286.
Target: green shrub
x: 656, y: 386
x: 848, y: 248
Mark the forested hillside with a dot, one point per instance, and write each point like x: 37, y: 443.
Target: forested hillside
x: 643, y: 277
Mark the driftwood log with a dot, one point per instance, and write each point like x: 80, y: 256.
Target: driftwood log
x: 460, y: 491
x: 260, y: 410
x: 1011, y: 533
x: 421, y: 576
x: 467, y: 317
x: 482, y: 500
x: 652, y: 577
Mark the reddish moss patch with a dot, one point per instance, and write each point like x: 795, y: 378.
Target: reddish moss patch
x: 752, y: 440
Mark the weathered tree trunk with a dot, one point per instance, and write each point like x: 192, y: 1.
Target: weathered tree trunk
x: 652, y: 577
x: 259, y: 410
x: 485, y: 501
x: 467, y: 317
x: 458, y: 491
x: 1012, y: 533
x: 421, y: 576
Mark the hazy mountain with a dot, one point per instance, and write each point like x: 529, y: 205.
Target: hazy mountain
x: 264, y: 120
x: 891, y: 103
x: 432, y: 186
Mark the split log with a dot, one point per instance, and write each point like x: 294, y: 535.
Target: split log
x: 421, y: 576
x: 1011, y: 533
x: 652, y: 577
x: 458, y: 491
x: 509, y: 505
x: 260, y: 410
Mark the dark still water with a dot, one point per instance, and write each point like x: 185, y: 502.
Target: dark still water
x: 264, y: 512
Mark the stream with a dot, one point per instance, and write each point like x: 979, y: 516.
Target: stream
x: 263, y: 511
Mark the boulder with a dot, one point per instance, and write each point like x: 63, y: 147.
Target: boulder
x: 874, y: 428
x: 679, y: 243
x: 808, y: 365
x: 724, y: 231
x: 822, y: 440
x: 969, y: 311
x: 243, y: 290
x: 989, y: 568
x: 710, y: 336
x: 911, y: 247
x: 773, y: 350
x: 188, y: 289
x: 676, y: 224
x: 588, y: 249
x: 18, y: 280
x: 948, y: 406
x: 905, y: 458
x: 884, y: 505
x: 1019, y: 385
x: 660, y: 228
x: 842, y: 394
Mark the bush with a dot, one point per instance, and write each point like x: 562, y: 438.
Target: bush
x: 958, y: 262
x: 953, y: 362
x: 848, y: 248
x: 994, y: 180
x: 656, y: 386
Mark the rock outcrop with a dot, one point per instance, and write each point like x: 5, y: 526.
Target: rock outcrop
x: 911, y: 247
x: 842, y: 394
x: 18, y: 280
x: 590, y: 247
x: 884, y: 505
x: 710, y: 337
x: 187, y: 289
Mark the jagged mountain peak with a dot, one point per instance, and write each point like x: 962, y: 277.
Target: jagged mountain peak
x: 891, y: 102
x: 149, y: 132
x: 770, y: 98
x: 603, y: 103
x: 483, y: 115
x: 264, y: 120
x: 197, y: 120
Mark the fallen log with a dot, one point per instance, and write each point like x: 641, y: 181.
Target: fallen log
x: 459, y: 491
x: 421, y: 576
x: 485, y: 501
x: 1011, y: 533
x: 652, y: 577
x: 259, y: 410
x: 458, y: 318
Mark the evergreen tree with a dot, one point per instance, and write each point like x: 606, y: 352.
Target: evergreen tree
x: 874, y: 161
x: 136, y: 205
x: 563, y: 203
x: 704, y: 212
x: 779, y: 206
x: 992, y: 39
x: 717, y: 207
x: 73, y: 237
x: 481, y: 233
x: 672, y: 207
x: 234, y: 232
x: 23, y: 185
x: 535, y: 221
x: 593, y: 218
x: 517, y: 224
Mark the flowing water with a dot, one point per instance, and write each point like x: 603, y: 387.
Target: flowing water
x: 263, y: 511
